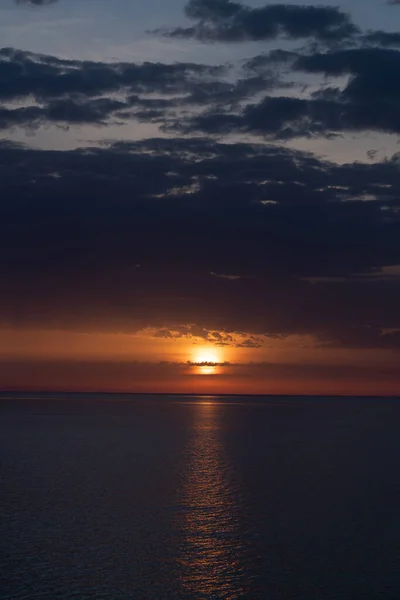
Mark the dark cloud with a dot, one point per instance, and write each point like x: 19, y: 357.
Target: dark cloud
x: 61, y: 111
x: 285, y: 118
x: 36, y: 2
x: 77, y: 92
x: 369, y: 101
x: 226, y: 21
x: 64, y: 92
x: 357, y: 62
x: 381, y: 38
x: 46, y: 77
x: 74, y: 226
x: 252, y: 342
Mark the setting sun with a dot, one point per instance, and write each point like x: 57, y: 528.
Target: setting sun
x: 207, y: 355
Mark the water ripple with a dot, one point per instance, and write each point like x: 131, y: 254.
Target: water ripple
x: 212, y: 552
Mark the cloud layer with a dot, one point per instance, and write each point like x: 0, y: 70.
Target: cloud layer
x: 36, y: 2
x: 216, y: 227
x: 245, y: 239
x: 226, y: 21
x: 363, y: 93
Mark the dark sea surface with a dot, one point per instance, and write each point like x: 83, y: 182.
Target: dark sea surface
x: 162, y: 497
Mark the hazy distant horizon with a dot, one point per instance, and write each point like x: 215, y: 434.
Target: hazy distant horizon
x: 22, y: 394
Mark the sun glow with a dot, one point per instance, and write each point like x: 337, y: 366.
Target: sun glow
x: 206, y: 355
x: 207, y: 370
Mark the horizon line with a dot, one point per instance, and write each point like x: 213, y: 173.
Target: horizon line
x: 4, y: 394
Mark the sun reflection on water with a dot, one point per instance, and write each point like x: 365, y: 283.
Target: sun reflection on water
x: 207, y: 370
x: 210, y: 560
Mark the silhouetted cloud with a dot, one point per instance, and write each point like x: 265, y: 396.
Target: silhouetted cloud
x: 195, y: 98
x: 36, y: 2
x: 78, y: 92
x: 226, y: 21
x: 71, y: 91
x: 74, y: 226
x: 24, y: 73
x: 381, y: 38
x: 368, y: 102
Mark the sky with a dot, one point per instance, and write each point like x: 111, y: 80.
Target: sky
x: 200, y: 197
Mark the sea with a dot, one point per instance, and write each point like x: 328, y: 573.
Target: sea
x: 124, y: 497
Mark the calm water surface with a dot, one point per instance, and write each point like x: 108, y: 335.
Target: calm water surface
x: 199, y: 498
